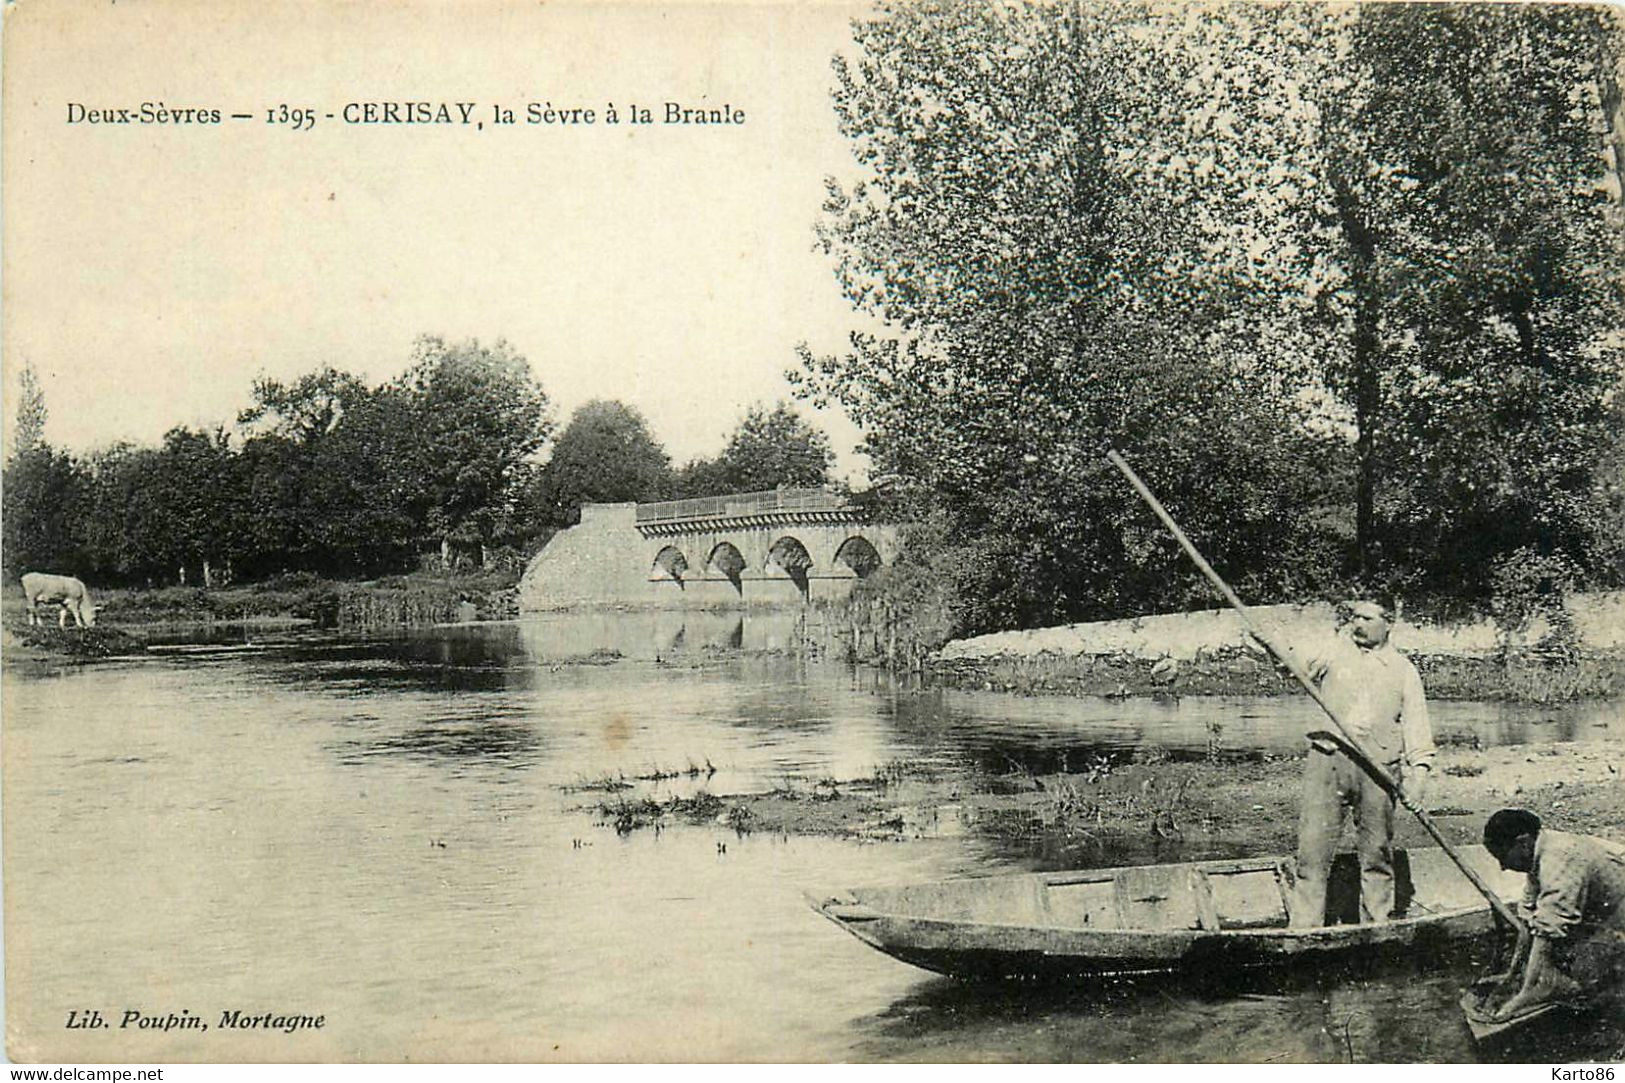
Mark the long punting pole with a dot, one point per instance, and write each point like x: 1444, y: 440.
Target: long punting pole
x: 1384, y: 779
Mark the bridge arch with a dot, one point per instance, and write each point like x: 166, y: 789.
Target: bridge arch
x: 669, y: 563
x: 728, y: 561
x: 859, y: 554
x: 790, y: 554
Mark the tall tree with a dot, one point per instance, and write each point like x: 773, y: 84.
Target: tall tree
x: 371, y: 508
x: 1480, y: 281
x: 769, y: 449
x: 605, y: 454
x: 1272, y: 253
x: 480, y: 416
x: 1004, y: 240
x: 43, y: 491
x: 288, y: 473
x: 43, y: 509
x: 129, y: 531
x: 181, y: 510
x: 28, y: 431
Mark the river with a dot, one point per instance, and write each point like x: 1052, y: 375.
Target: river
x: 391, y: 833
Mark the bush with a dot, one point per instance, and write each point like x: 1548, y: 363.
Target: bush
x: 904, y: 611
x: 287, y: 581
x: 1527, y: 586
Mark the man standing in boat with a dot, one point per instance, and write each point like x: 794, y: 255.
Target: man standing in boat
x: 1377, y: 694
x: 1573, y: 906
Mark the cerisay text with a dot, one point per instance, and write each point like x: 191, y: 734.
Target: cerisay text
x: 409, y: 113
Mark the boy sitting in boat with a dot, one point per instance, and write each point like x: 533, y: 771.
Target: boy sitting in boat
x: 1573, y: 907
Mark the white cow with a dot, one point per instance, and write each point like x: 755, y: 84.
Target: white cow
x: 70, y: 592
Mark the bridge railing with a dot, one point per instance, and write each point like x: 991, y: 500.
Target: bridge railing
x: 733, y: 504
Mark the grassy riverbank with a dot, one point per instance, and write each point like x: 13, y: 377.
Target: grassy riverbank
x: 418, y: 598
x: 1147, y: 807
x: 42, y: 648
x: 1525, y: 678
x: 127, y: 617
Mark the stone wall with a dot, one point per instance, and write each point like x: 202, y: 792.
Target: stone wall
x: 1599, y: 620
x: 598, y: 561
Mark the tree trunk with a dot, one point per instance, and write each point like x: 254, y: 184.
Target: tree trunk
x: 1367, y: 361
x: 1367, y: 404
x: 1613, y: 102
x: 1090, y: 230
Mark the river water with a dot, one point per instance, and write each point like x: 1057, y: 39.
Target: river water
x: 390, y: 833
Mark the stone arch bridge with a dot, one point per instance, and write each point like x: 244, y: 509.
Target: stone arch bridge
x: 786, y: 546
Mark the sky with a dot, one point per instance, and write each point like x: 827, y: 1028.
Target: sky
x: 153, y: 270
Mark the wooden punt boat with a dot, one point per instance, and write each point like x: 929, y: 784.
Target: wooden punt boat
x: 1139, y: 919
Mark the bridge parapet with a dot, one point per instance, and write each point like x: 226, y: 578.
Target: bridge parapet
x: 772, y: 507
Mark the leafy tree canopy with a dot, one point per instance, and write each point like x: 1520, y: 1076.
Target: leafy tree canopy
x: 1276, y: 255
x: 478, y: 417
x: 29, y: 429
x: 604, y: 455
x: 769, y: 449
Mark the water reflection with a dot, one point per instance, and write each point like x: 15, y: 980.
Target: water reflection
x: 658, y: 634
x: 1040, y: 734
x: 1397, y: 1007
x: 489, y: 741
x: 1191, y: 724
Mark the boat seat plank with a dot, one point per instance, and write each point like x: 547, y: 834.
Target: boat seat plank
x: 1249, y: 898
x: 1155, y: 897
x: 1015, y: 900
x: 1207, y: 911
x: 1083, y: 904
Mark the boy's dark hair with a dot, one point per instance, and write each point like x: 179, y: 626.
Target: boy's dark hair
x: 1507, y: 827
